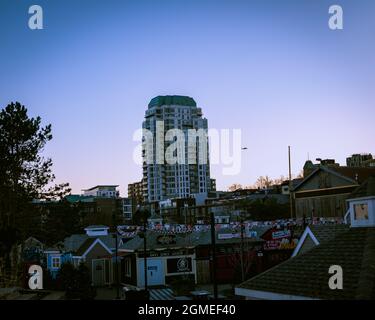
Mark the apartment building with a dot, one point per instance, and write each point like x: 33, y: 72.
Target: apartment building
x: 180, y: 180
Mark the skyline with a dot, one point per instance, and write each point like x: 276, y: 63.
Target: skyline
x: 85, y: 74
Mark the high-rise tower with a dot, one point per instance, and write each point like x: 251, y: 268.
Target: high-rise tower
x: 165, y: 181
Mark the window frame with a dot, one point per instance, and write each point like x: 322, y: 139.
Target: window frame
x: 355, y: 205
x: 53, y: 265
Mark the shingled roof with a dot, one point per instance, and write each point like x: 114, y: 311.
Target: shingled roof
x: 182, y: 241
x: 306, y: 275
x: 366, y: 189
x: 327, y: 232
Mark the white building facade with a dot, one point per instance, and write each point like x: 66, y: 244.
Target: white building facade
x: 165, y: 181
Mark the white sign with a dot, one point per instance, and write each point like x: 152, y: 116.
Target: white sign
x: 224, y: 236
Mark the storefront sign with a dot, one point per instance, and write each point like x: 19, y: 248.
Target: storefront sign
x: 283, y: 244
x: 177, y: 265
x: 224, y: 236
x: 166, y: 253
x: 166, y: 239
x: 280, y: 234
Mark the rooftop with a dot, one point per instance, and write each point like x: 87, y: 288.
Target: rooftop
x: 182, y: 240
x: 366, y: 189
x: 172, y: 100
x: 306, y: 275
x: 327, y: 232
x: 101, y: 186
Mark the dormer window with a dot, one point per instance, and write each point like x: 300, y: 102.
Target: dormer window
x: 362, y: 205
x: 360, y: 211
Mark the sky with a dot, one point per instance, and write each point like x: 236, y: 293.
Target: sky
x: 271, y: 68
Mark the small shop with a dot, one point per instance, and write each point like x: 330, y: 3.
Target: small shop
x: 166, y: 262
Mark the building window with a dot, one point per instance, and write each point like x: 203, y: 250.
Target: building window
x: 56, y: 262
x: 127, y: 267
x: 361, y: 211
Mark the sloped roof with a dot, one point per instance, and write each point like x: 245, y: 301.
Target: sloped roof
x: 280, y: 198
x: 330, y: 170
x: 358, y: 174
x: 354, y: 175
x: 102, y: 186
x: 75, y: 241
x: 32, y: 242
x: 83, y: 248
x: 307, y: 275
x: 327, y: 232
x: 366, y: 189
x: 182, y: 240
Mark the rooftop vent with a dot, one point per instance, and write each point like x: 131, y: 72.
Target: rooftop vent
x: 96, y: 231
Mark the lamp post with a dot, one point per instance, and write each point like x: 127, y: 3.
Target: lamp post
x: 116, y: 257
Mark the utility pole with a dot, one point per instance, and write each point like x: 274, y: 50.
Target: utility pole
x: 242, y: 251
x: 114, y: 217
x: 142, y: 215
x: 213, y: 246
x: 290, y: 185
x: 117, y: 273
x: 144, y: 251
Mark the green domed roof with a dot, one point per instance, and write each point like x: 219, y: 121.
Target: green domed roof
x: 172, y: 100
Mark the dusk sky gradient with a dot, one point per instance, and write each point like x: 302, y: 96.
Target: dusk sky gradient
x: 272, y: 68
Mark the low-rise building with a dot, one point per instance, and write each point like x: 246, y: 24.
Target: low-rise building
x: 98, y: 210
x: 127, y: 208
x: 94, y: 249
x: 323, y: 193
x: 307, y: 274
x: 360, y: 160
x: 169, y: 257
x: 102, y: 191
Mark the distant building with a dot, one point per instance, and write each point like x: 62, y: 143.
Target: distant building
x: 127, y: 208
x: 176, y: 210
x: 102, y: 191
x: 168, y: 181
x: 285, y: 185
x: 309, y: 166
x: 360, y: 160
x: 99, y: 205
x: 213, y: 185
x: 135, y: 192
x: 324, y: 191
x: 136, y: 196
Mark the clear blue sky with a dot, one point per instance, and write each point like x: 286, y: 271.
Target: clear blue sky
x: 272, y: 68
